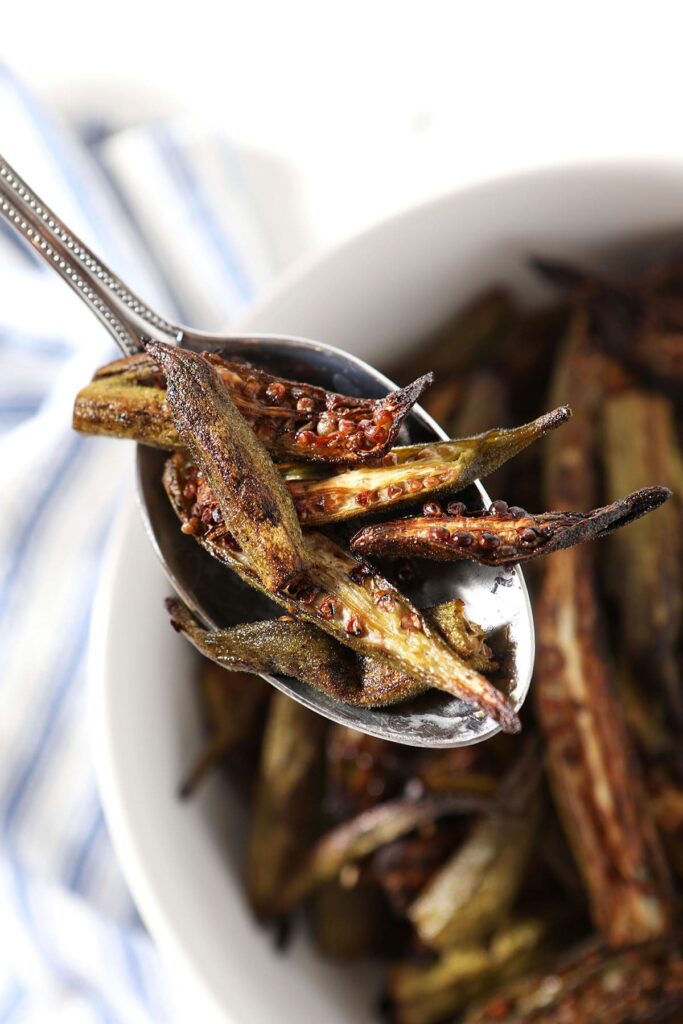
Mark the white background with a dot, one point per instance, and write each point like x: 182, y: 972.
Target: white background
x: 375, y: 104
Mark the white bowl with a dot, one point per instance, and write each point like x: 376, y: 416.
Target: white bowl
x: 375, y: 294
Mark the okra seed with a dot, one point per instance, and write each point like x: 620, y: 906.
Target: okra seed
x: 276, y: 392
x: 354, y: 626
x: 433, y: 481
x: 377, y: 435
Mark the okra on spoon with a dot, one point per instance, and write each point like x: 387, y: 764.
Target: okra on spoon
x: 311, y: 423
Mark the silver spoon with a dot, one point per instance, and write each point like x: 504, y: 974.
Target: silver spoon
x: 495, y: 598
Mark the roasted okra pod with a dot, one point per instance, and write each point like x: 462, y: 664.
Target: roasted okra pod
x: 357, y: 606
x: 292, y: 420
x: 501, y: 535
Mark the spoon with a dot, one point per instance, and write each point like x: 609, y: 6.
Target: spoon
x: 496, y: 599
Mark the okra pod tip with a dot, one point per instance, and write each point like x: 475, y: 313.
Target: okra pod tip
x: 502, y: 535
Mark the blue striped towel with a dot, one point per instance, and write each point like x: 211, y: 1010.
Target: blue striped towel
x: 72, y: 947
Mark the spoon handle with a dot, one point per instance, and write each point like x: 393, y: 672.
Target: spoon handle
x: 127, y: 318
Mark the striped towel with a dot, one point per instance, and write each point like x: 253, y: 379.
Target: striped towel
x: 72, y: 947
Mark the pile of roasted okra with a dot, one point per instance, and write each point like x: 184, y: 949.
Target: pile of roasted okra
x: 530, y: 878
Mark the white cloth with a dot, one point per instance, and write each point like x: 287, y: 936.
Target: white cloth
x: 173, y: 217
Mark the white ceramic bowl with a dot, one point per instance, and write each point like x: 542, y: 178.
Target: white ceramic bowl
x: 375, y: 294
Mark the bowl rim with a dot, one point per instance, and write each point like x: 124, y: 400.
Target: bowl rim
x: 579, y: 168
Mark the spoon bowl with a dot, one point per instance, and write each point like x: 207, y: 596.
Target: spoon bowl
x: 496, y: 599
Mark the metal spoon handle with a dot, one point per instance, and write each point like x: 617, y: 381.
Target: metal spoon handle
x: 123, y: 313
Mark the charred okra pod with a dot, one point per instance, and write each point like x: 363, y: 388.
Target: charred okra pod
x: 646, y: 563
x: 432, y: 993
x: 592, y: 771
x: 634, y: 986
x: 249, y: 490
x: 284, y: 815
x: 360, y: 771
x: 405, y: 866
x: 408, y: 474
x: 362, y: 835
x: 501, y: 535
x: 292, y: 420
x: 640, y: 324
x: 594, y: 779
x: 414, y: 472
x: 277, y: 647
x: 298, y: 649
x: 357, y: 606
x: 474, y: 890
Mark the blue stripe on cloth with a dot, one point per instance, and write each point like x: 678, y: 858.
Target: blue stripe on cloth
x: 75, y: 876
x: 135, y: 971
x: 19, y: 407
x: 59, y: 689
x: 15, y: 339
x: 93, y: 997
x: 77, y: 882
x: 39, y: 504
x: 190, y: 189
x: 173, y: 303
x: 11, y: 1003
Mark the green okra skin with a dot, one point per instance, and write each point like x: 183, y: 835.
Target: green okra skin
x: 475, y: 889
x: 113, y: 407
x: 277, y: 647
x: 434, y: 992
x: 471, y: 894
x: 299, y: 649
x: 284, y: 812
x: 357, y: 606
x: 250, y: 492
x: 464, y: 636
